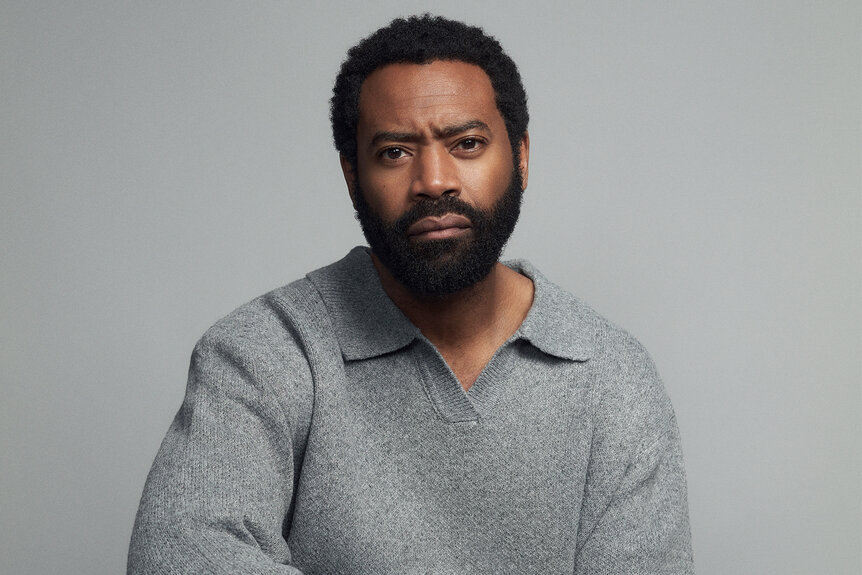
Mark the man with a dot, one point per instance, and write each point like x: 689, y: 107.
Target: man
x: 420, y: 407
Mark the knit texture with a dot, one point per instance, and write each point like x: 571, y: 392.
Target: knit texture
x: 322, y: 433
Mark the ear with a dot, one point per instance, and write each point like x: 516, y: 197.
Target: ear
x: 524, y: 166
x: 349, y: 173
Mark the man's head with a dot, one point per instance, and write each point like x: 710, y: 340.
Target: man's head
x: 434, y: 150
x: 419, y: 40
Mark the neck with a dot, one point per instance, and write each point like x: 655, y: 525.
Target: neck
x: 487, y: 312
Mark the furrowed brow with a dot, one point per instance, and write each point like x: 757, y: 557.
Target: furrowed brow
x: 442, y: 133
x: 386, y: 136
x: 449, y: 131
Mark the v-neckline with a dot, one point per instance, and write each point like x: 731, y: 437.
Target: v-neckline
x: 450, y: 400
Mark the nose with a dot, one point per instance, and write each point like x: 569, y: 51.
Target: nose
x: 434, y: 174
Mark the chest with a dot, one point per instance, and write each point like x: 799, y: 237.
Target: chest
x: 467, y: 365
x: 405, y: 467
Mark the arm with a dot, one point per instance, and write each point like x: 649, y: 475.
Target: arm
x: 641, y: 527
x: 219, y: 493
x: 634, y: 517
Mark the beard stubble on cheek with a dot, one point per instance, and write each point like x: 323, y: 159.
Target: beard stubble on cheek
x: 434, y: 268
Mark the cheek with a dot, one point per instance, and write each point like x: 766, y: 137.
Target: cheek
x: 487, y: 181
x: 383, y: 198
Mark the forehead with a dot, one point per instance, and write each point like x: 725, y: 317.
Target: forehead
x: 414, y: 96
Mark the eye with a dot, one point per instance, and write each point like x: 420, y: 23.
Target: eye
x: 393, y: 153
x: 469, y: 145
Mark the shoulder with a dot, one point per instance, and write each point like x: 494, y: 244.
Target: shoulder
x: 281, y: 336
x: 631, y: 411
x: 265, y: 324
x: 265, y: 354
x: 256, y: 353
x: 627, y: 394
x: 294, y: 316
x: 310, y: 317
x: 562, y: 324
x: 629, y: 398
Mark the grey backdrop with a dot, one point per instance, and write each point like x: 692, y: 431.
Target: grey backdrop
x: 695, y: 176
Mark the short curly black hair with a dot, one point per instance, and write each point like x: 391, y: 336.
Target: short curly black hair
x: 421, y: 39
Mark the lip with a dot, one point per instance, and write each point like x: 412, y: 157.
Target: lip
x: 445, y: 226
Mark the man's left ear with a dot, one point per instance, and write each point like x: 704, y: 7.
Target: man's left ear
x: 524, y: 166
x: 349, y: 177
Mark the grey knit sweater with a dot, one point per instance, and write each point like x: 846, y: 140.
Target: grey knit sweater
x: 322, y: 433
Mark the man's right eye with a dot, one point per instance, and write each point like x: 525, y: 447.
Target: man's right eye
x: 392, y: 153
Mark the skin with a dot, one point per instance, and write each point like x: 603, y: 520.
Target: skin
x: 426, y: 130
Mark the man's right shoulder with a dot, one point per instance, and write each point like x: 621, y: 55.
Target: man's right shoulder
x: 273, y: 319
x: 292, y: 317
x: 267, y: 351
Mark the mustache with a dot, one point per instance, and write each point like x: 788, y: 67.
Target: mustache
x: 435, y: 208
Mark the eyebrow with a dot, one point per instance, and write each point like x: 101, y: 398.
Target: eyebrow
x: 442, y: 133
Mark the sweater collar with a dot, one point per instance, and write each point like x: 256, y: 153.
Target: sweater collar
x: 367, y: 323
x: 558, y: 323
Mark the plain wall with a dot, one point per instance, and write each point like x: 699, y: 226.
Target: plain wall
x: 695, y: 175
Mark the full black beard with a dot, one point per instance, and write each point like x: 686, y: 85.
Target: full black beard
x: 436, y: 268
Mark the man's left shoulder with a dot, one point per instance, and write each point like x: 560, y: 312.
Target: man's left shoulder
x: 560, y: 319
x: 623, y: 380
x: 629, y: 394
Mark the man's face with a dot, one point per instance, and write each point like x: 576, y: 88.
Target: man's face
x: 435, y: 187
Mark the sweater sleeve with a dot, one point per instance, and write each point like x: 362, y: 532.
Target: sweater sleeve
x: 644, y: 527
x: 634, y: 516
x: 218, y: 496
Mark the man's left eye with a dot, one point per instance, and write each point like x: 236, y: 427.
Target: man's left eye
x: 469, y: 144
